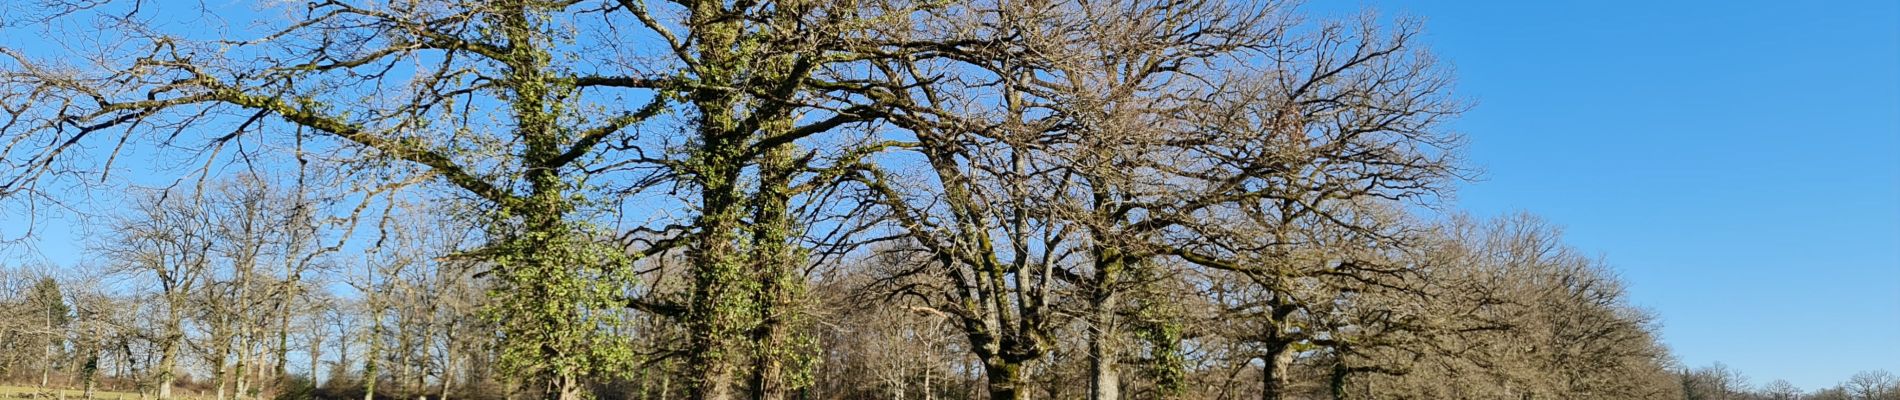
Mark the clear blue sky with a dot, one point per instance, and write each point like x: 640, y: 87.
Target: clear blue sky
x: 1737, y: 162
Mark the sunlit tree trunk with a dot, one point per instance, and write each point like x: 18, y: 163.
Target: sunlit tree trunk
x: 1105, y: 380
x: 1005, y: 380
x: 168, y: 365
x: 721, y: 303
x: 1274, y: 360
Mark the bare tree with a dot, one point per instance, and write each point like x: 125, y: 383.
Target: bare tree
x: 1716, y: 381
x: 1312, y: 151
x: 168, y: 240
x: 1780, y: 389
x: 1872, y: 385
x: 1511, y: 311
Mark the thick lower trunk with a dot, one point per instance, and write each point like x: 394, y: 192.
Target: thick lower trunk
x: 711, y: 383
x: 219, y: 378
x: 720, y: 311
x: 221, y: 337
x: 167, y: 364
x: 1105, y: 380
x: 779, y: 279
x: 164, y: 383
x: 716, y: 317
x: 1274, y: 372
x: 563, y: 388
x: 768, y: 382
x: 90, y: 370
x: 1005, y: 380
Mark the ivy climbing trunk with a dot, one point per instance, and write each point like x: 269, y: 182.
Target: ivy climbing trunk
x: 780, y: 281
x: 782, y: 352
x: 552, y: 254
x: 1157, y: 323
x: 89, y: 371
x: 721, y: 308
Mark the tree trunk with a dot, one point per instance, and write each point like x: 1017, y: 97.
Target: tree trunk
x: 716, y: 316
x: 90, y: 370
x: 126, y: 367
x: 1005, y: 380
x: 768, y: 376
x: 565, y: 388
x: 1273, y: 371
x: 219, y: 377
x: 167, y: 368
x: 448, y: 362
x: 718, y: 312
x: 46, y: 358
x: 221, y: 337
x: 369, y: 360
x: 1106, y: 381
x: 316, y: 357
x: 242, y: 370
x: 1337, y: 383
x: 779, y: 280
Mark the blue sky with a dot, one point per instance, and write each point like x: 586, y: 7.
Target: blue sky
x: 1737, y: 162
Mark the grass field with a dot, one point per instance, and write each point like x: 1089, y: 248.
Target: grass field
x: 11, y: 392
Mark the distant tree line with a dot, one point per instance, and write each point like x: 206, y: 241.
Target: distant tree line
x: 1505, y: 311
x: 716, y: 199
